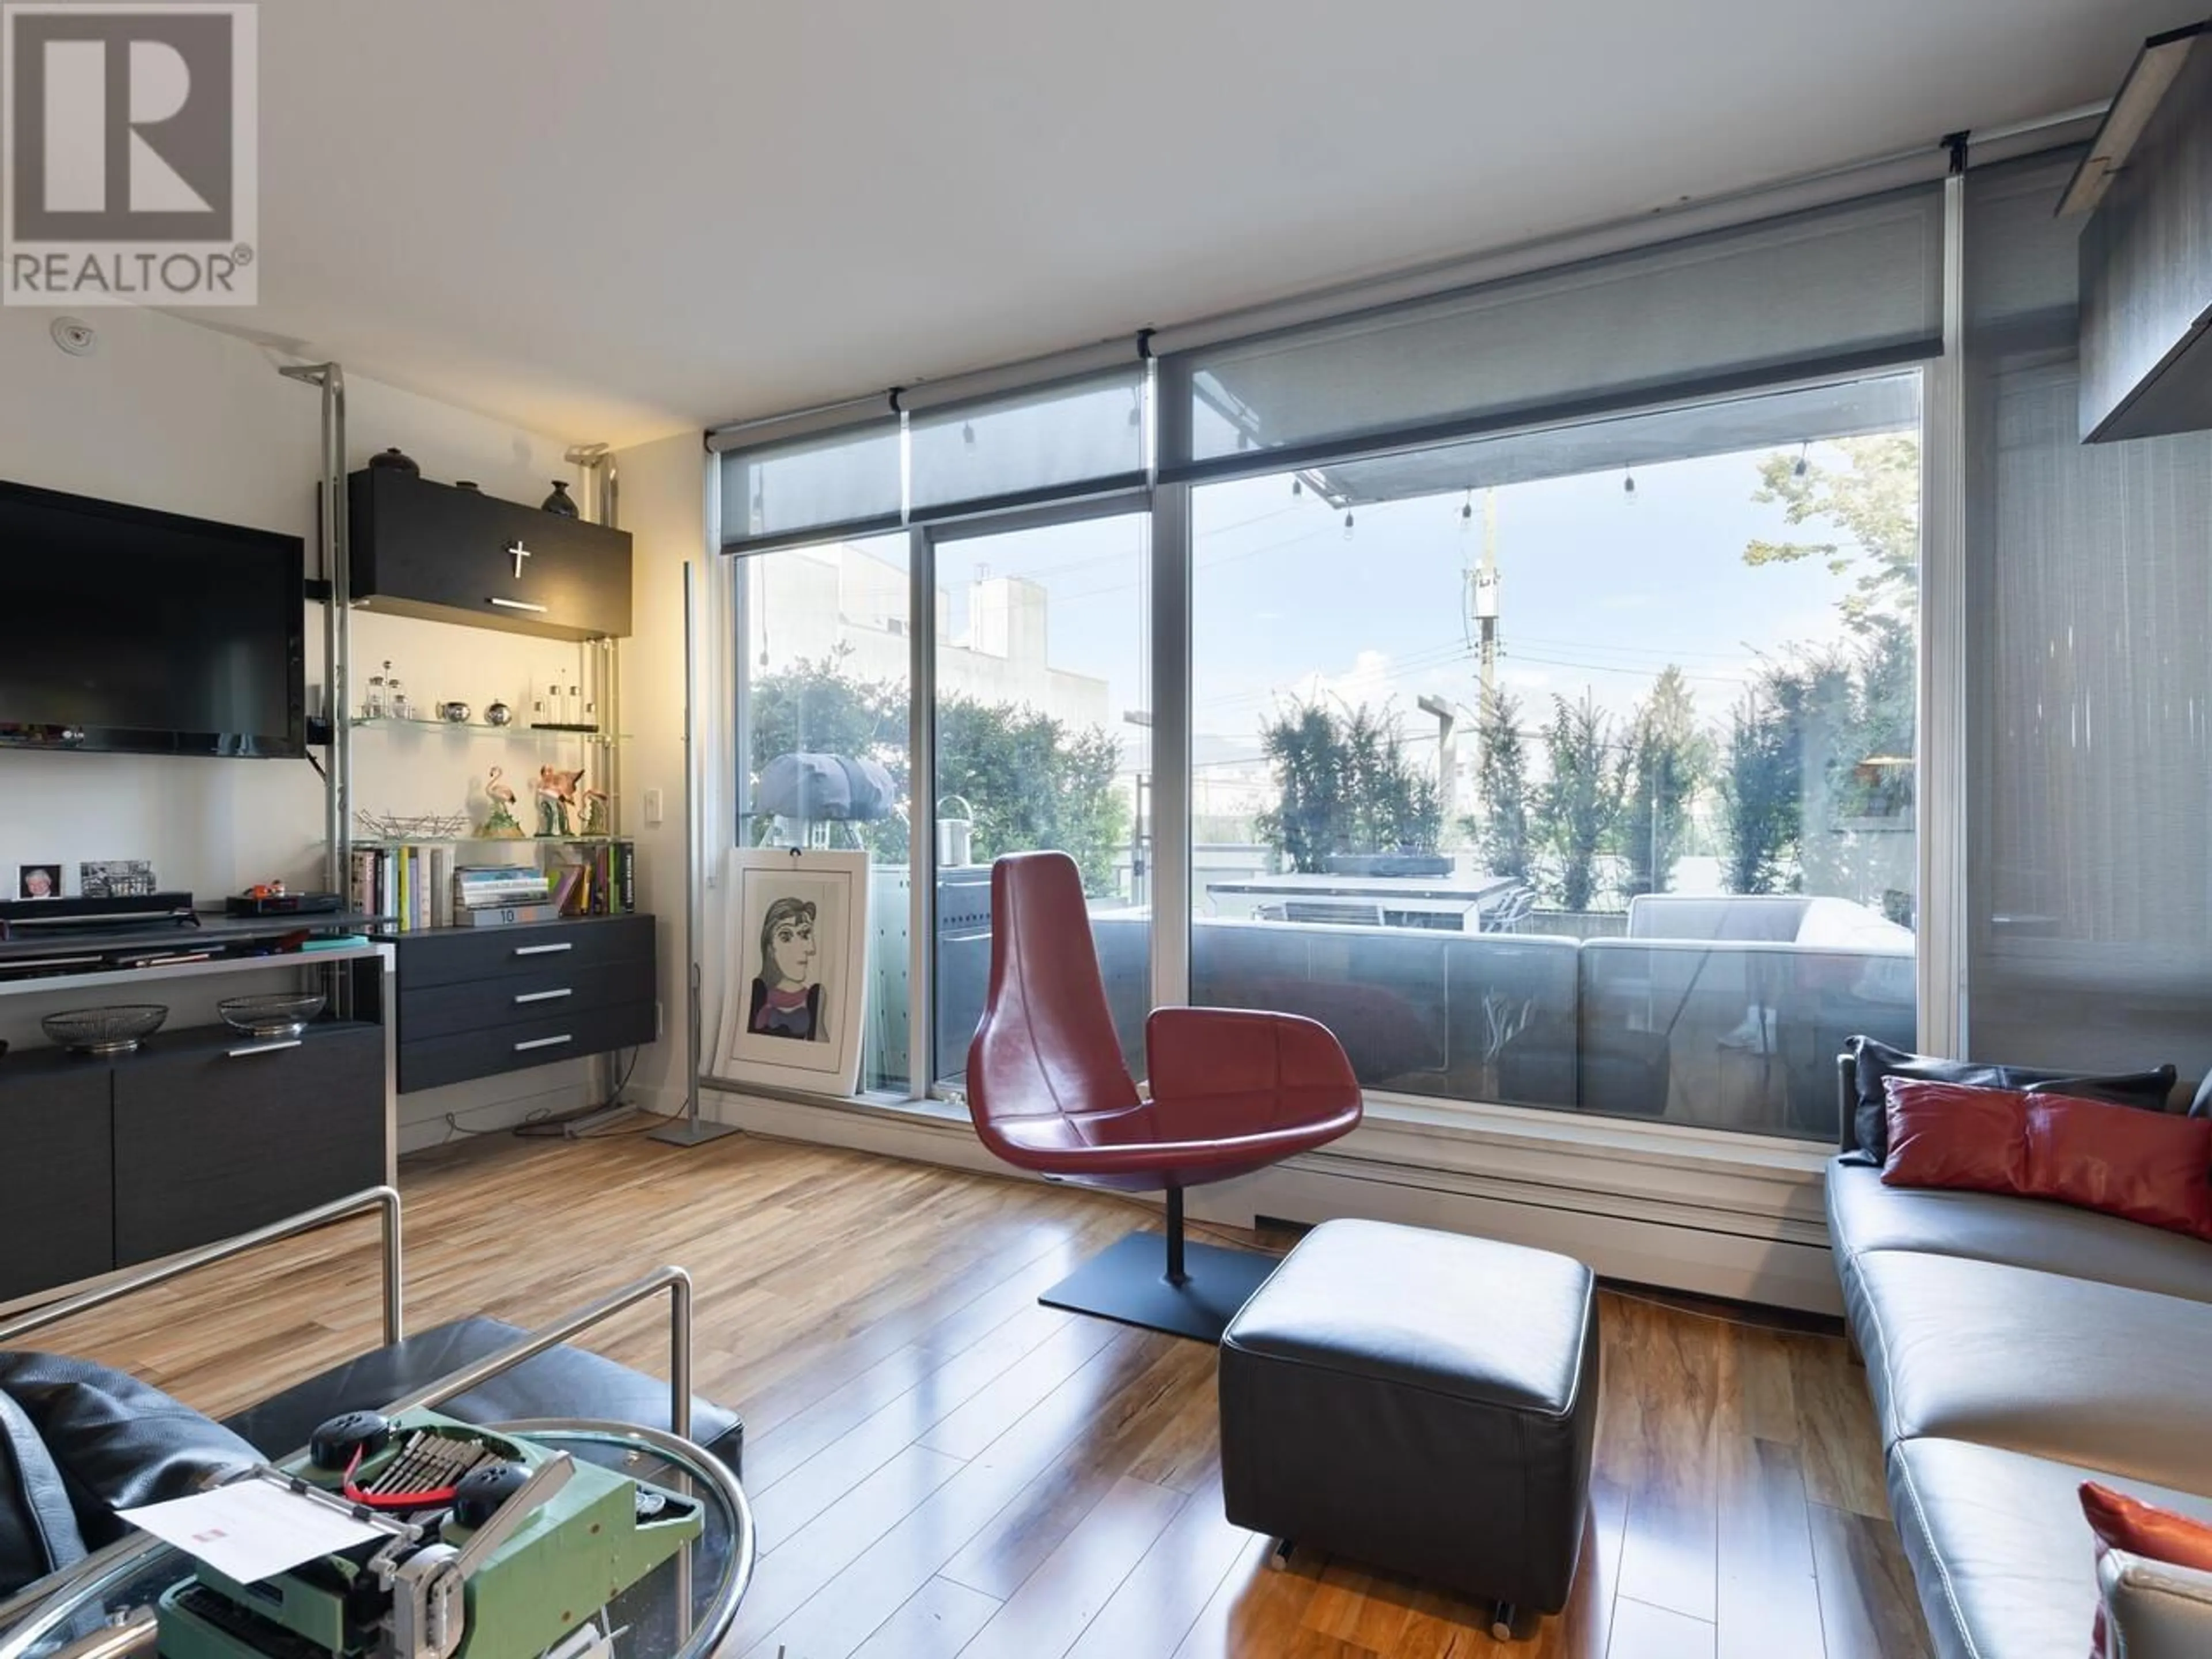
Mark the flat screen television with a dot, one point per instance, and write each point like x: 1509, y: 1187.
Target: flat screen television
x: 126, y: 629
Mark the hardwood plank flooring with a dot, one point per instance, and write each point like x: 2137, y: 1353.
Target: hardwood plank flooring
x: 944, y: 1469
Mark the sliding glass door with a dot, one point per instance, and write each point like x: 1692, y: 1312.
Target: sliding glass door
x: 1041, y: 688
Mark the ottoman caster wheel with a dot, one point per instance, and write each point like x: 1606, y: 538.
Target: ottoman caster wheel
x: 1501, y: 1622
x: 1279, y: 1557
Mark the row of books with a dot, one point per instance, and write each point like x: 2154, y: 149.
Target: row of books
x: 421, y: 887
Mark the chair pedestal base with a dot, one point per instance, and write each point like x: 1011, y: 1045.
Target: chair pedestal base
x: 1128, y: 1282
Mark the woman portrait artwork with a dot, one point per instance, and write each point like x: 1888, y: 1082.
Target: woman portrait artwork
x: 787, y: 999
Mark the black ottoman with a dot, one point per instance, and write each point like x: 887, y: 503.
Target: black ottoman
x: 1418, y: 1401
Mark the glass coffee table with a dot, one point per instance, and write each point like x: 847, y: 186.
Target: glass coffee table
x: 681, y: 1610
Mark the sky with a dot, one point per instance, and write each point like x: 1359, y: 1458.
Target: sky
x: 1600, y: 589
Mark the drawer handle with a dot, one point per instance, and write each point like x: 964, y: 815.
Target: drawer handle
x: 543, y: 1042
x: 261, y: 1049
x: 544, y: 950
x: 519, y: 605
x: 544, y: 996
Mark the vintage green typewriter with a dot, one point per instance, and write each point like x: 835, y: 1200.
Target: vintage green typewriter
x: 488, y: 1546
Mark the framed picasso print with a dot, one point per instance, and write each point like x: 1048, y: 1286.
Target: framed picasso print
x: 797, y: 984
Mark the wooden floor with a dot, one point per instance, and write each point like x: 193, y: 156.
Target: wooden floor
x: 941, y: 1466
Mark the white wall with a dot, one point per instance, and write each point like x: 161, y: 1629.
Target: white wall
x: 663, y: 506
x: 171, y: 415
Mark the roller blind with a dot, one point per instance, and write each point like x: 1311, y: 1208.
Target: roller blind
x: 2089, y: 861
x: 1831, y: 290
x: 845, y: 482
x: 1075, y: 437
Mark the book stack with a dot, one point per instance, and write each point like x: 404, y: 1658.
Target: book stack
x: 597, y: 880
x: 405, y: 886
x: 498, y: 895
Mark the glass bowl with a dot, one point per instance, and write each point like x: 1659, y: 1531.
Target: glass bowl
x: 104, y: 1030
x: 282, y: 1016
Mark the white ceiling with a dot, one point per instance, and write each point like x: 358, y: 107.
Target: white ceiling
x: 614, y: 220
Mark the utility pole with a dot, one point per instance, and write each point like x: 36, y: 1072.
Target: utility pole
x: 1486, y: 594
x: 1446, y: 714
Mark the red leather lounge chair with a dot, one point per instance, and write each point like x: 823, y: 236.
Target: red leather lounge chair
x: 1232, y: 1091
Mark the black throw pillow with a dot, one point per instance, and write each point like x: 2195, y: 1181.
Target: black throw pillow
x: 1877, y: 1061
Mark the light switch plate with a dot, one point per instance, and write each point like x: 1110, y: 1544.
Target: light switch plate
x: 653, y: 807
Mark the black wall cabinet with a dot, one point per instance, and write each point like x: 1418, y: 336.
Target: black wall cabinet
x: 427, y: 549
x: 199, y: 1135
x: 57, y: 1190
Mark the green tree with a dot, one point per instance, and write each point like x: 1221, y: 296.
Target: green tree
x: 820, y: 707
x: 1873, y: 498
x: 1664, y: 765
x: 1763, y: 783
x: 1347, y: 787
x: 1501, y: 830
x: 1580, y: 804
x: 1033, y: 780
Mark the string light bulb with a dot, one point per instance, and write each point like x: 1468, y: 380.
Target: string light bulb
x: 1628, y: 484
x: 1800, y: 465
x: 1347, y: 527
x: 968, y: 434
x: 1467, y: 513
x: 1297, y: 486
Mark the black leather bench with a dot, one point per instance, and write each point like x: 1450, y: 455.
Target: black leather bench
x: 1418, y: 1401
x: 564, y: 1381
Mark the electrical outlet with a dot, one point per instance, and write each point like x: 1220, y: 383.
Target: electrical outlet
x: 654, y: 808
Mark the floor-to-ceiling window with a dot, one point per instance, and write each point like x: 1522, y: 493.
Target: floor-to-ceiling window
x: 1574, y: 768
x: 825, y: 672
x: 1041, y: 683
x: 1534, y: 693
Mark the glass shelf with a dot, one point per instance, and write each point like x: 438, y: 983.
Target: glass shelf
x: 485, y: 728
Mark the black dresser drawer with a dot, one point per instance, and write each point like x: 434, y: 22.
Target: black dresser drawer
x: 440, y: 1011
x: 462, y: 955
x: 435, y: 1062
x: 215, y: 1133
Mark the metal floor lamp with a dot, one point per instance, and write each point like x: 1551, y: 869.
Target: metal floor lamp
x: 690, y: 1129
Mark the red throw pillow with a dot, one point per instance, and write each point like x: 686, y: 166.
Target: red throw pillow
x: 2122, y: 1522
x: 1952, y: 1134
x: 2151, y: 1167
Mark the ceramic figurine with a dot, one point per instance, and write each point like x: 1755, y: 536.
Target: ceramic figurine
x: 502, y: 824
x: 498, y: 714
x: 557, y: 799
x: 595, y: 813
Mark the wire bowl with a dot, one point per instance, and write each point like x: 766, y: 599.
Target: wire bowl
x: 413, y: 826
x: 282, y: 1016
x: 115, y: 1030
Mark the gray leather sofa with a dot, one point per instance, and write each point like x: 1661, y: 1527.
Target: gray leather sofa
x: 2015, y: 1348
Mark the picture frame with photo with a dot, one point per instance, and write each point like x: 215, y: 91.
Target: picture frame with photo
x: 796, y: 955
x: 115, y: 878
x: 38, y: 881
